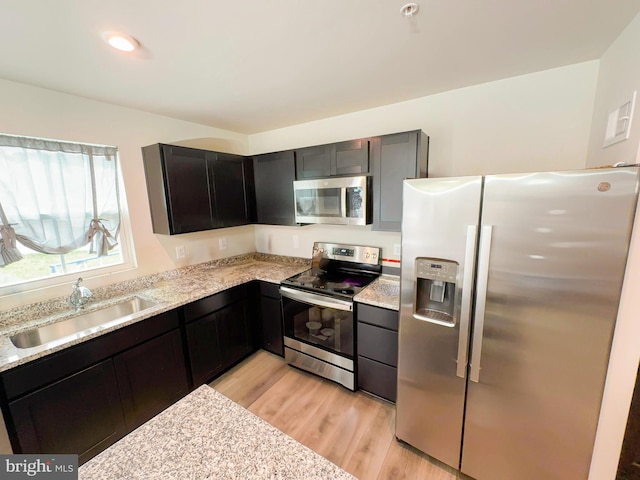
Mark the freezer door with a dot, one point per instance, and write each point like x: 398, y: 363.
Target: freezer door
x: 439, y: 233
x: 555, y: 247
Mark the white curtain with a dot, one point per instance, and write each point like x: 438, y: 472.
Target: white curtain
x: 56, y: 197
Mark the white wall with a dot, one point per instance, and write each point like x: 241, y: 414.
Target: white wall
x: 43, y: 113
x: 619, y: 76
x: 298, y: 241
x: 534, y: 122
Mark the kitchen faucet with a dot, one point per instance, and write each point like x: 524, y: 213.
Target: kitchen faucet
x: 80, y: 295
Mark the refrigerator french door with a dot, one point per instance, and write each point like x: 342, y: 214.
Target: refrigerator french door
x: 509, y: 293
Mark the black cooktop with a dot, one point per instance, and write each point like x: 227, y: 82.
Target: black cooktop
x: 336, y: 282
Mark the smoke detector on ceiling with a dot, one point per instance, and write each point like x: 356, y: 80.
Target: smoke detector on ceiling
x: 409, y: 10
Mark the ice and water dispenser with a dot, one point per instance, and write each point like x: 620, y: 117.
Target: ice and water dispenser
x: 435, y: 291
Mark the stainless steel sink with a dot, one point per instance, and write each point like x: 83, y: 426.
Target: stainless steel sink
x: 82, y: 324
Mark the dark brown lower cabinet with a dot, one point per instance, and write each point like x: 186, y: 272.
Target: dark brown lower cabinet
x: 377, y: 351
x: 271, y: 318
x: 220, y: 335
x: 84, y: 398
x: 80, y: 414
x: 205, y: 354
x: 629, y: 465
x: 151, y: 377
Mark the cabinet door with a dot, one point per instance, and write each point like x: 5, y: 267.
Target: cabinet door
x: 629, y: 464
x: 394, y: 158
x: 350, y: 158
x: 205, y: 353
x: 274, y: 174
x: 80, y: 414
x: 151, y: 377
x: 232, y: 190
x: 313, y: 162
x: 234, y: 333
x: 271, y: 321
x: 187, y: 188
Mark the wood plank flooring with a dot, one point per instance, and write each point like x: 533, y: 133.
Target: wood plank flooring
x: 352, y: 429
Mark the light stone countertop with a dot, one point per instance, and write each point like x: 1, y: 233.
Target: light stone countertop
x: 169, y: 290
x: 207, y: 436
x: 383, y: 292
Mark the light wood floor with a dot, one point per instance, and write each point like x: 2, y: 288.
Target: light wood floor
x: 353, y: 430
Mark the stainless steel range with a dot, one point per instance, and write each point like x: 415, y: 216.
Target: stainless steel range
x: 317, y: 305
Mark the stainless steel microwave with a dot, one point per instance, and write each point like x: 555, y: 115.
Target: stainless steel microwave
x: 339, y: 200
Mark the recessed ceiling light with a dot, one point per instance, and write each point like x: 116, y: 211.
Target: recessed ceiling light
x: 121, y: 41
x: 410, y: 9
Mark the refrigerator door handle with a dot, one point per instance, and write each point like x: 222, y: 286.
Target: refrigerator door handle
x: 481, y: 300
x: 465, y: 307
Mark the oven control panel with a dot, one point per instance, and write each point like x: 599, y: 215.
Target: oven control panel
x: 348, y: 253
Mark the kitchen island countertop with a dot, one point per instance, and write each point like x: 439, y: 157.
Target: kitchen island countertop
x: 207, y: 436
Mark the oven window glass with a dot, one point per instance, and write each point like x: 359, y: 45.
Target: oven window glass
x: 324, y: 327
x: 324, y: 202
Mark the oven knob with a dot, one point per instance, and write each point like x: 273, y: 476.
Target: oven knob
x: 366, y: 255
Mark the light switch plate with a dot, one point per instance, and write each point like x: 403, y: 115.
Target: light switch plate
x: 180, y: 252
x: 397, y: 249
x: 222, y: 243
x: 619, y: 122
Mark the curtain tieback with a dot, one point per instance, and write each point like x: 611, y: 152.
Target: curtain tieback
x: 9, y: 252
x: 101, y: 240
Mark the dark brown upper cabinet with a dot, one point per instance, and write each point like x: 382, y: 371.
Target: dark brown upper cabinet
x: 192, y: 190
x: 274, y: 174
x: 344, y: 158
x: 234, y: 189
x: 394, y: 158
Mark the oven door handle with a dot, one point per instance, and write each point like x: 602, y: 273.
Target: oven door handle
x: 313, y: 299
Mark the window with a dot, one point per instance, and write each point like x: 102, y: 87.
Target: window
x: 59, y: 208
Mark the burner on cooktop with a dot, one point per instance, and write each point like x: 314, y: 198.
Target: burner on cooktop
x: 306, y: 278
x: 333, y: 282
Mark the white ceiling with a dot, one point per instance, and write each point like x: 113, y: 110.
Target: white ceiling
x: 255, y: 65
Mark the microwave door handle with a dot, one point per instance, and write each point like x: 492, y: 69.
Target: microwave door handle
x: 343, y: 203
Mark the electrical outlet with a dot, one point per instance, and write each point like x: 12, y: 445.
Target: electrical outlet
x: 180, y: 252
x: 222, y: 243
x: 296, y: 241
x: 397, y: 249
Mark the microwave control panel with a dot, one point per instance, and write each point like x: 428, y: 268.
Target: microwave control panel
x: 355, y: 202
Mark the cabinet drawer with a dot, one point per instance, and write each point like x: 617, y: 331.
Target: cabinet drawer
x: 378, y: 344
x: 377, y: 378
x: 381, y: 317
x: 205, y: 306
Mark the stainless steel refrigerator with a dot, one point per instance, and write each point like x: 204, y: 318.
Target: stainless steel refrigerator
x: 509, y: 293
